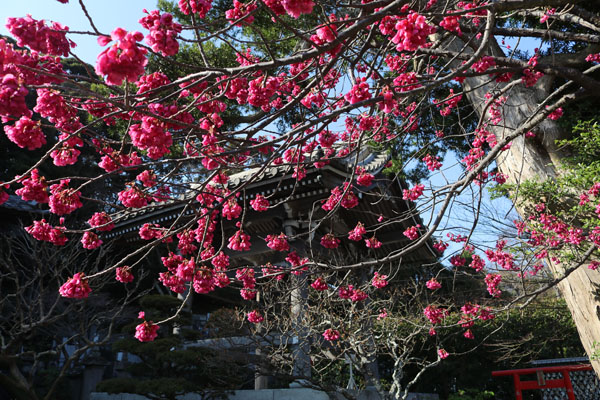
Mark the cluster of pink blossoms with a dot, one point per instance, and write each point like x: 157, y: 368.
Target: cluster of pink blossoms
x: 124, y: 275
x: 151, y: 231
x: 432, y: 162
x: 357, y: 233
x: 434, y: 314
x: 255, y: 317
x: 246, y: 276
x: 483, y: 64
x: 12, y: 97
x: 133, y: 197
x: 114, y: 160
x: 440, y: 246
x: 364, y: 178
x: 147, y: 331
x: 379, y: 281
x: 4, y: 196
x: 163, y: 32
x: 492, y: 281
x: 412, y: 233
x: 261, y: 90
x: 411, y: 32
x: 451, y: 24
x: 319, y: 284
x: 26, y: 133
x: 231, y: 209
x: 413, y: 193
x: 278, y: 242
x: 259, y: 203
x: 76, y: 288
x: 124, y: 60
x: 63, y: 200
x: 331, y: 335
x: 294, y: 8
x: 34, y: 188
x: 351, y: 293
x: 359, y: 92
x: 595, y: 58
x: 200, y: 7
x: 347, y: 200
x: 151, y: 135
x: 39, y: 37
x: 240, y: 241
x: 329, y: 241
x: 556, y: 114
x: 373, y: 243
x: 90, y: 241
x: 239, y: 11
x: 41, y: 230
x: 433, y: 284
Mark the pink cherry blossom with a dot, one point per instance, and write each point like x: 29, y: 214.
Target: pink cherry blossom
x: 357, y: 233
x: 163, y: 32
x: 278, y: 242
x: 413, y: 193
x: 63, y: 200
x: 434, y: 314
x: 255, y: 317
x: 433, y: 284
x: 295, y: 8
x: 259, y: 203
x: 26, y: 133
x: 200, y: 7
x: 76, y: 287
x: 319, y: 284
x: 331, y: 335
x: 39, y: 37
x: 359, y: 92
x: 124, y: 60
x: 34, y: 188
x: 90, y: 241
x: 412, y: 233
x: 358, y: 295
x: 101, y: 221
x: 329, y: 241
x: 147, y: 331
x: 373, y: 243
x: 41, y: 230
x: 492, y: 281
x: 412, y: 32
x: 240, y: 241
x: 379, y: 281
x: 124, y: 275
x: 240, y: 10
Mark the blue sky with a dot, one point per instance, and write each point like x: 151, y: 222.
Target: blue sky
x: 107, y: 15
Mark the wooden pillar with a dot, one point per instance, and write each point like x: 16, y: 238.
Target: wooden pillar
x: 301, y: 350
x: 260, y: 381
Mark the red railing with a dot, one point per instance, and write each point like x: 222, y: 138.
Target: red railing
x: 541, y: 382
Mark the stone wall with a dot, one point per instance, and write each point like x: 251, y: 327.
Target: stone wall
x: 263, y: 394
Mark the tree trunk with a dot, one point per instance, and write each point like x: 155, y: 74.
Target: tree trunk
x: 537, y: 159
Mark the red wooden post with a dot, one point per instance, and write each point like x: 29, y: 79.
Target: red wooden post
x: 518, y: 392
x: 568, y: 384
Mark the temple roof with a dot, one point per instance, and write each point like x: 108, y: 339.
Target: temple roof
x: 372, y: 162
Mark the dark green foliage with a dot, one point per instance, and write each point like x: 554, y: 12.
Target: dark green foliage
x: 168, y: 366
x: 544, y: 330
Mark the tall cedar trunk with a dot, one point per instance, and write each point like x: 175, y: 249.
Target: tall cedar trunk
x: 537, y: 160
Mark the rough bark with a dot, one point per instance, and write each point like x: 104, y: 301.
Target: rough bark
x: 538, y: 160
